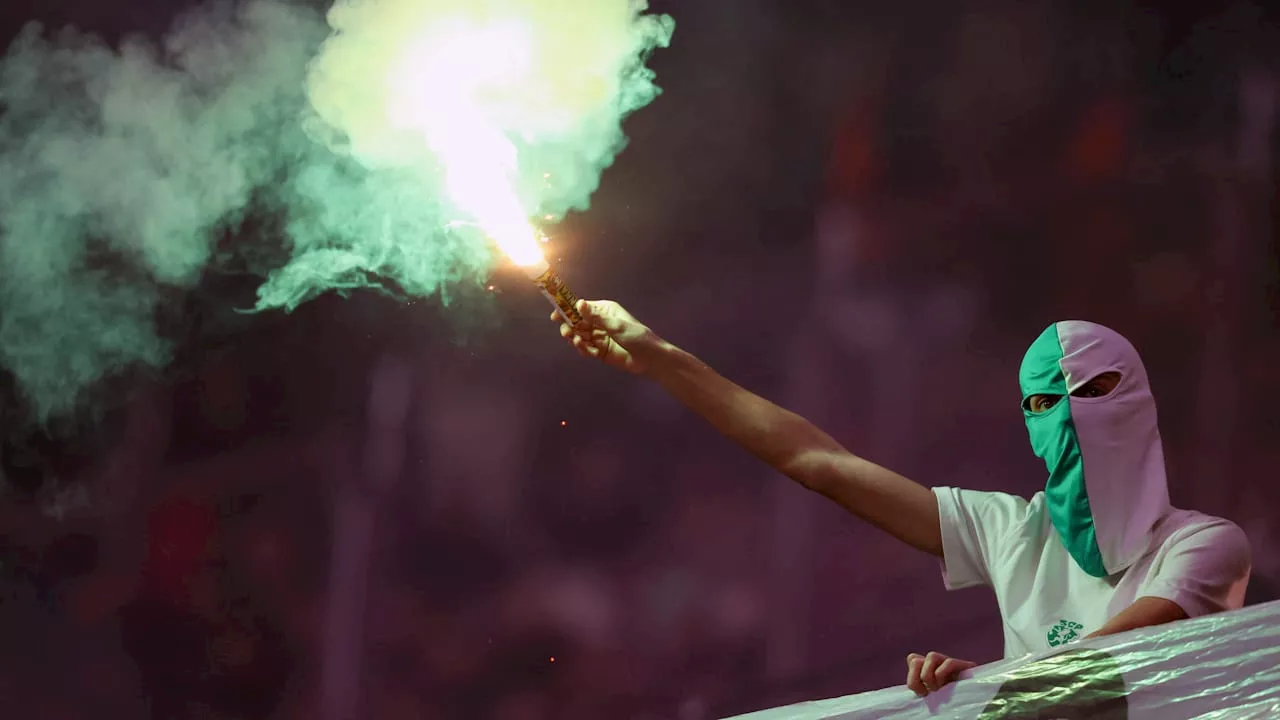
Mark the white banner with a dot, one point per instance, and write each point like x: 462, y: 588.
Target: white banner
x: 1220, y: 666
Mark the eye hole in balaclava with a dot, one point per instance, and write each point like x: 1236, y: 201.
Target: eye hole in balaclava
x: 1100, y: 385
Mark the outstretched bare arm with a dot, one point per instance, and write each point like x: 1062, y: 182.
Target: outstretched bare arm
x: 788, y: 442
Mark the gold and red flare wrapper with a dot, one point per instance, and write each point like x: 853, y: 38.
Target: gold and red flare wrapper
x: 556, y: 292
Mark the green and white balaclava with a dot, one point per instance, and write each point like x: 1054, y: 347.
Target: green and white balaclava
x: 1106, y: 487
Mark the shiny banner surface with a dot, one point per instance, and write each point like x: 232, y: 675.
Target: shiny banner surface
x: 1220, y: 666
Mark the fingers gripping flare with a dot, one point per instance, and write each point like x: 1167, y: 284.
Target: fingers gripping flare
x: 607, y: 333
x: 586, y: 336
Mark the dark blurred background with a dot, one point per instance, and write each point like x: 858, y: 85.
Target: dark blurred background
x: 864, y: 210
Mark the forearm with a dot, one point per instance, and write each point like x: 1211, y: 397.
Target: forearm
x: 799, y: 449
x: 1144, y: 612
x: 774, y: 434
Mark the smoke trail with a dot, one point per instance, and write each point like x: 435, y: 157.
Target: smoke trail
x: 117, y: 167
x: 121, y: 168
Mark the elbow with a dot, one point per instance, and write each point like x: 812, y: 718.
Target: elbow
x: 811, y: 469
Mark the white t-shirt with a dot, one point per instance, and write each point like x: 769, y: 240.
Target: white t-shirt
x: 1198, y: 561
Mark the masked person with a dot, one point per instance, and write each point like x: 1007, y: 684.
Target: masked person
x: 1098, y: 551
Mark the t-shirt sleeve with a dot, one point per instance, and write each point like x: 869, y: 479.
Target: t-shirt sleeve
x: 1204, y: 571
x: 976, y: 527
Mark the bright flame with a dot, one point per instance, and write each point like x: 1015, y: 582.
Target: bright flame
x: 507, y: 110
x: 462, y: 66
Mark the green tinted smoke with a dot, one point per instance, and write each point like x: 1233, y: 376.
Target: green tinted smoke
x: 121, y: 168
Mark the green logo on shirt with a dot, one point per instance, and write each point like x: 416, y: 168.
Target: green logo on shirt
x: 1064, y: 632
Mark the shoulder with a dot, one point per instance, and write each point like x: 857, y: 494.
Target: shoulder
x: 1202, y: 563
x: 980, y: 530
x: 1183, y: 528
x: 996, y: 512
x: 1187, y: 533
x: 985, y: 500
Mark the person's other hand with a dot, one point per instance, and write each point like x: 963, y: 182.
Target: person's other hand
x: 610, y: 334
x: 927, y: 673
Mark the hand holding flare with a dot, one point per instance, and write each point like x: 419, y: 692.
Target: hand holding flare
x: 609, y: 333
